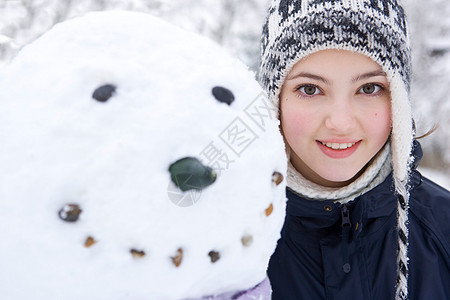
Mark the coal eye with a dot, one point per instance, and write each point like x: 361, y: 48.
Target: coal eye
x: 104, y: 92
x: 223, y: 94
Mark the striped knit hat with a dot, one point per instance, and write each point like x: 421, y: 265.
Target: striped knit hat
x: 295, y: 29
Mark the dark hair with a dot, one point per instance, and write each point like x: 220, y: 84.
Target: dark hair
x: 429, y: 132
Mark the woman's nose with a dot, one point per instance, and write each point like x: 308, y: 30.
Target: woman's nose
x: 340, y: 117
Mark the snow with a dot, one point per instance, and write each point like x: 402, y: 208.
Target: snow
x: 62, y: 147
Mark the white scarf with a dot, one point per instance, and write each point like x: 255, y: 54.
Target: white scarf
x: 375, y: 174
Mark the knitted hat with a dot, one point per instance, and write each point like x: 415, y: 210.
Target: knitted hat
x: 375, y: 28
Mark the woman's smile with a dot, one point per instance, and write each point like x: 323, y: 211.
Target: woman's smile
x: 338, y: 150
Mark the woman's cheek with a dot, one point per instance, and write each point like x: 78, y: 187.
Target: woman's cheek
x: 380, y: 124
x: 295, y: 121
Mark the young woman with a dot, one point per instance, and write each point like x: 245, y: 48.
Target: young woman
x: 362, y: 223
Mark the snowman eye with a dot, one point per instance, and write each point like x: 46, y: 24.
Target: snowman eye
x: 223, y: 94
x: 104, y: 92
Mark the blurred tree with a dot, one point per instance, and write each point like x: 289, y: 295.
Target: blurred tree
x: 235, y: 24
x: 430, y: 29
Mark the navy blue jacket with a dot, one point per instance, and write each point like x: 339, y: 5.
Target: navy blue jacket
x: 316, y: 259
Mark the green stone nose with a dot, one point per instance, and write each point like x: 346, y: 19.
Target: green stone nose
x: 189, y: 173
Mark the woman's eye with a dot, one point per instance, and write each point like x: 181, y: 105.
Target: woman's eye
x: 309, y: 90
x: 370, y: 88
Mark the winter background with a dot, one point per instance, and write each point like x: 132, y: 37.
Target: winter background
x: 236, y: 25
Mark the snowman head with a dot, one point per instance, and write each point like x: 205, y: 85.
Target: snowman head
x: 138, y: 161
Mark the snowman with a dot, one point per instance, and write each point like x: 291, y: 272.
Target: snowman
x: 137, y: 161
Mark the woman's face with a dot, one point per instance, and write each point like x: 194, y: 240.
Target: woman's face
x: 335, y: 115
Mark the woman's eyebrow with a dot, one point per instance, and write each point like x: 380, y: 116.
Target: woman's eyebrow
x: 310, y: 76
x: 368, y: 75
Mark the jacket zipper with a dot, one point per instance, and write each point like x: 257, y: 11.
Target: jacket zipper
x: 346, y: 225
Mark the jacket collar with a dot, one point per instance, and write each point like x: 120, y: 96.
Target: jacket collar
x: 380, y: 201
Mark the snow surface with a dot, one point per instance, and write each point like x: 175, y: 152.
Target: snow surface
x: 59, y: 146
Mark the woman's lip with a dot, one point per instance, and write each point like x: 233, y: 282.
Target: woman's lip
x: 338, y: 153
x: 339, y: 141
